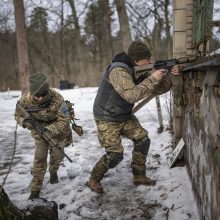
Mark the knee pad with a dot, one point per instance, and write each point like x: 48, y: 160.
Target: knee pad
x: 114, y: 159
x: 142, y: 146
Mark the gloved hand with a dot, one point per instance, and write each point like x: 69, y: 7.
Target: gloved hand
x: 77, y: 129
x: 27, y: 124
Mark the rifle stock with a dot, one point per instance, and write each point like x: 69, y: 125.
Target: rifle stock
x: 41, y: 130
x: 142, y: 103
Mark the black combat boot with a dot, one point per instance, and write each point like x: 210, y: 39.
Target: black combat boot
x: 34, y: 195
x: 53, y: 178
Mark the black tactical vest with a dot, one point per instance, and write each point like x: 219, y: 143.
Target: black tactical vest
x: 108, y: 105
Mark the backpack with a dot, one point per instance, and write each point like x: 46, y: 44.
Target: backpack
x: 78, y: 129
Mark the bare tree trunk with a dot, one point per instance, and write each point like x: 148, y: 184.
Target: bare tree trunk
x: 157, y: 32
x: 67, y: 60
x: 167, y: 29
x: 62, y: 61
x: 22, y: 46
x: 78, y: 45
x: 108, y: 35
x: 124, y: 24
x: 157, y: 42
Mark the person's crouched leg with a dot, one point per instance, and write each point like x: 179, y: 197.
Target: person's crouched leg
x: 107, y: 161
x: 139, y: 155
x: 39, y: 166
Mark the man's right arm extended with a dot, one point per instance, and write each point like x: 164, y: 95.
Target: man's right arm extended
x: 124, y: 85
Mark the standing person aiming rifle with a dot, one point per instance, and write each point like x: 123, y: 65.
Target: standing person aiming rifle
x: 44, y: 112
x: 119, y: 89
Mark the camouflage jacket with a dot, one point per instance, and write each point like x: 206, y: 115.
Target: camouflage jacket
x: 54, y: 116
x: 128, y: 90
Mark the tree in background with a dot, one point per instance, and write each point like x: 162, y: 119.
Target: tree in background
x: 38, y: 40
x: 76, y: 43
x: 22, y: 46
x: 151, y: 22
x: 107, y: 34
x: 7, y: 52
x: 78, y: 50
x: 167, y: 18
x: 125, y: 33
x: 98, y: 32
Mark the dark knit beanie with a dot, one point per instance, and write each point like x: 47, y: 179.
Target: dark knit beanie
x: 138, y: 51
x: 38, y: 83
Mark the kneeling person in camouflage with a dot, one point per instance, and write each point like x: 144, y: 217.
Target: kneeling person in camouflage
x: 120, y: 88
x: 48, y: 107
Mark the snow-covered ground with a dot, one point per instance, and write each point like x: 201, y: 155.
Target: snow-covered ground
x: 171, y: 198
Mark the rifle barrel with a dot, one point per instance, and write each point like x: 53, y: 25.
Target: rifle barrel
x: 147, y: 67
x: 187, y: 59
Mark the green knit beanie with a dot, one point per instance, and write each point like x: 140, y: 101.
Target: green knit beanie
x: 38, y: 83
x: 138, y: 51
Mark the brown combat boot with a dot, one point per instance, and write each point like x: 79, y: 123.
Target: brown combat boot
x: 95, y: 186
x: 143, y: 180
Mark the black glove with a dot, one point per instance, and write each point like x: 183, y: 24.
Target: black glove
x: 27, y: 124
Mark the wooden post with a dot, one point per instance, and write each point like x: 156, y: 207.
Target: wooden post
x: 159, y: 112
x: 182, y: 47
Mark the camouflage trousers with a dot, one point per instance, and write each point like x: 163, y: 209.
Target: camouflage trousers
x: 109, y: 135
x: 40, y: 162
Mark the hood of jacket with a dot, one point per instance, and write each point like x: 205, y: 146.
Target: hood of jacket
x: 123, y: 57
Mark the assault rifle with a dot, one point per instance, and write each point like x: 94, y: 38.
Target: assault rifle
x: 142, y: 73
x: 165, y: 64
x: 41, y: 130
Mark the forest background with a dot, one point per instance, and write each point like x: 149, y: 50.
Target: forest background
x: 75, y: 40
